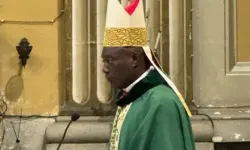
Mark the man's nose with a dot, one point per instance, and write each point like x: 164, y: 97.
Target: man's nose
x: 105, y: 68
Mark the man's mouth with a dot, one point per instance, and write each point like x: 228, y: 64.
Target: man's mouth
x: 109, y: 79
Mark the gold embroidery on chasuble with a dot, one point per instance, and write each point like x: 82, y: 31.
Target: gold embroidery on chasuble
x: 117, y: 125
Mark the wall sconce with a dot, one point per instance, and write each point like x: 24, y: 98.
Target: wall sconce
x: 24, y: 50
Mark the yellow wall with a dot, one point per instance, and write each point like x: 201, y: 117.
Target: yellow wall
x: 41, y: 75
x: 243, y: 24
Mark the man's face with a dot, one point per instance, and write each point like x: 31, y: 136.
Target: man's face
x: 118, y: 66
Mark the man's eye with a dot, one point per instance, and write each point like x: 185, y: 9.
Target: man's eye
x: 109, y: 61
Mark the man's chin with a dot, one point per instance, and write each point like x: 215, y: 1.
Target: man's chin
x: 114, y: 86
x: 112, y: 83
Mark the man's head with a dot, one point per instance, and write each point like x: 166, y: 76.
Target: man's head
x: 123, y: 65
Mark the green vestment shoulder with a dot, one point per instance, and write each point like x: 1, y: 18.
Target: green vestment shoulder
x: 156, y: 120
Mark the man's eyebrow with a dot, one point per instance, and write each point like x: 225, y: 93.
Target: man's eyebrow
x: 127, y: 46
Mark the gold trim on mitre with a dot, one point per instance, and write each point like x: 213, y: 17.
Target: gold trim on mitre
x: 123, y: 28
x: 125, y: 37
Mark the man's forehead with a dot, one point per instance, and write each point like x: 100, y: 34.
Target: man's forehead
x: 113, y: 50
x: 117, y: 51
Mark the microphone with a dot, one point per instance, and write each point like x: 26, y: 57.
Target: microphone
x: 74, y: 117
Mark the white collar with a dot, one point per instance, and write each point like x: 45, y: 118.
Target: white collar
x: 139, y: 79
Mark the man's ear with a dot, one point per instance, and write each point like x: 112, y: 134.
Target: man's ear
x: 136, y: 59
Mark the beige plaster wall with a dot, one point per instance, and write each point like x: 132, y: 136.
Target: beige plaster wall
x: 41, y: 76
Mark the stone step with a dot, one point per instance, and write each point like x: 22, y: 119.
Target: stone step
x: 79, y: 132
x: 98, y: 146
x: 103, y: 146
x: 204, y: 146
x: 98, y: 129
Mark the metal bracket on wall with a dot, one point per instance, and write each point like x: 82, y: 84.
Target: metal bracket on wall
x: 24, y: 50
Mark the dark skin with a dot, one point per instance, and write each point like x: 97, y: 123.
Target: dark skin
x: 123, y: 65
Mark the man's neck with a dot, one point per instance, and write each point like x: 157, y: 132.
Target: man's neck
x: 139, y: 78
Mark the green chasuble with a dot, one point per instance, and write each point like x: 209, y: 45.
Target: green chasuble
x: 151, y: 117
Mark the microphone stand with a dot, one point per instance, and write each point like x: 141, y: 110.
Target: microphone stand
x: 74, y: 117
